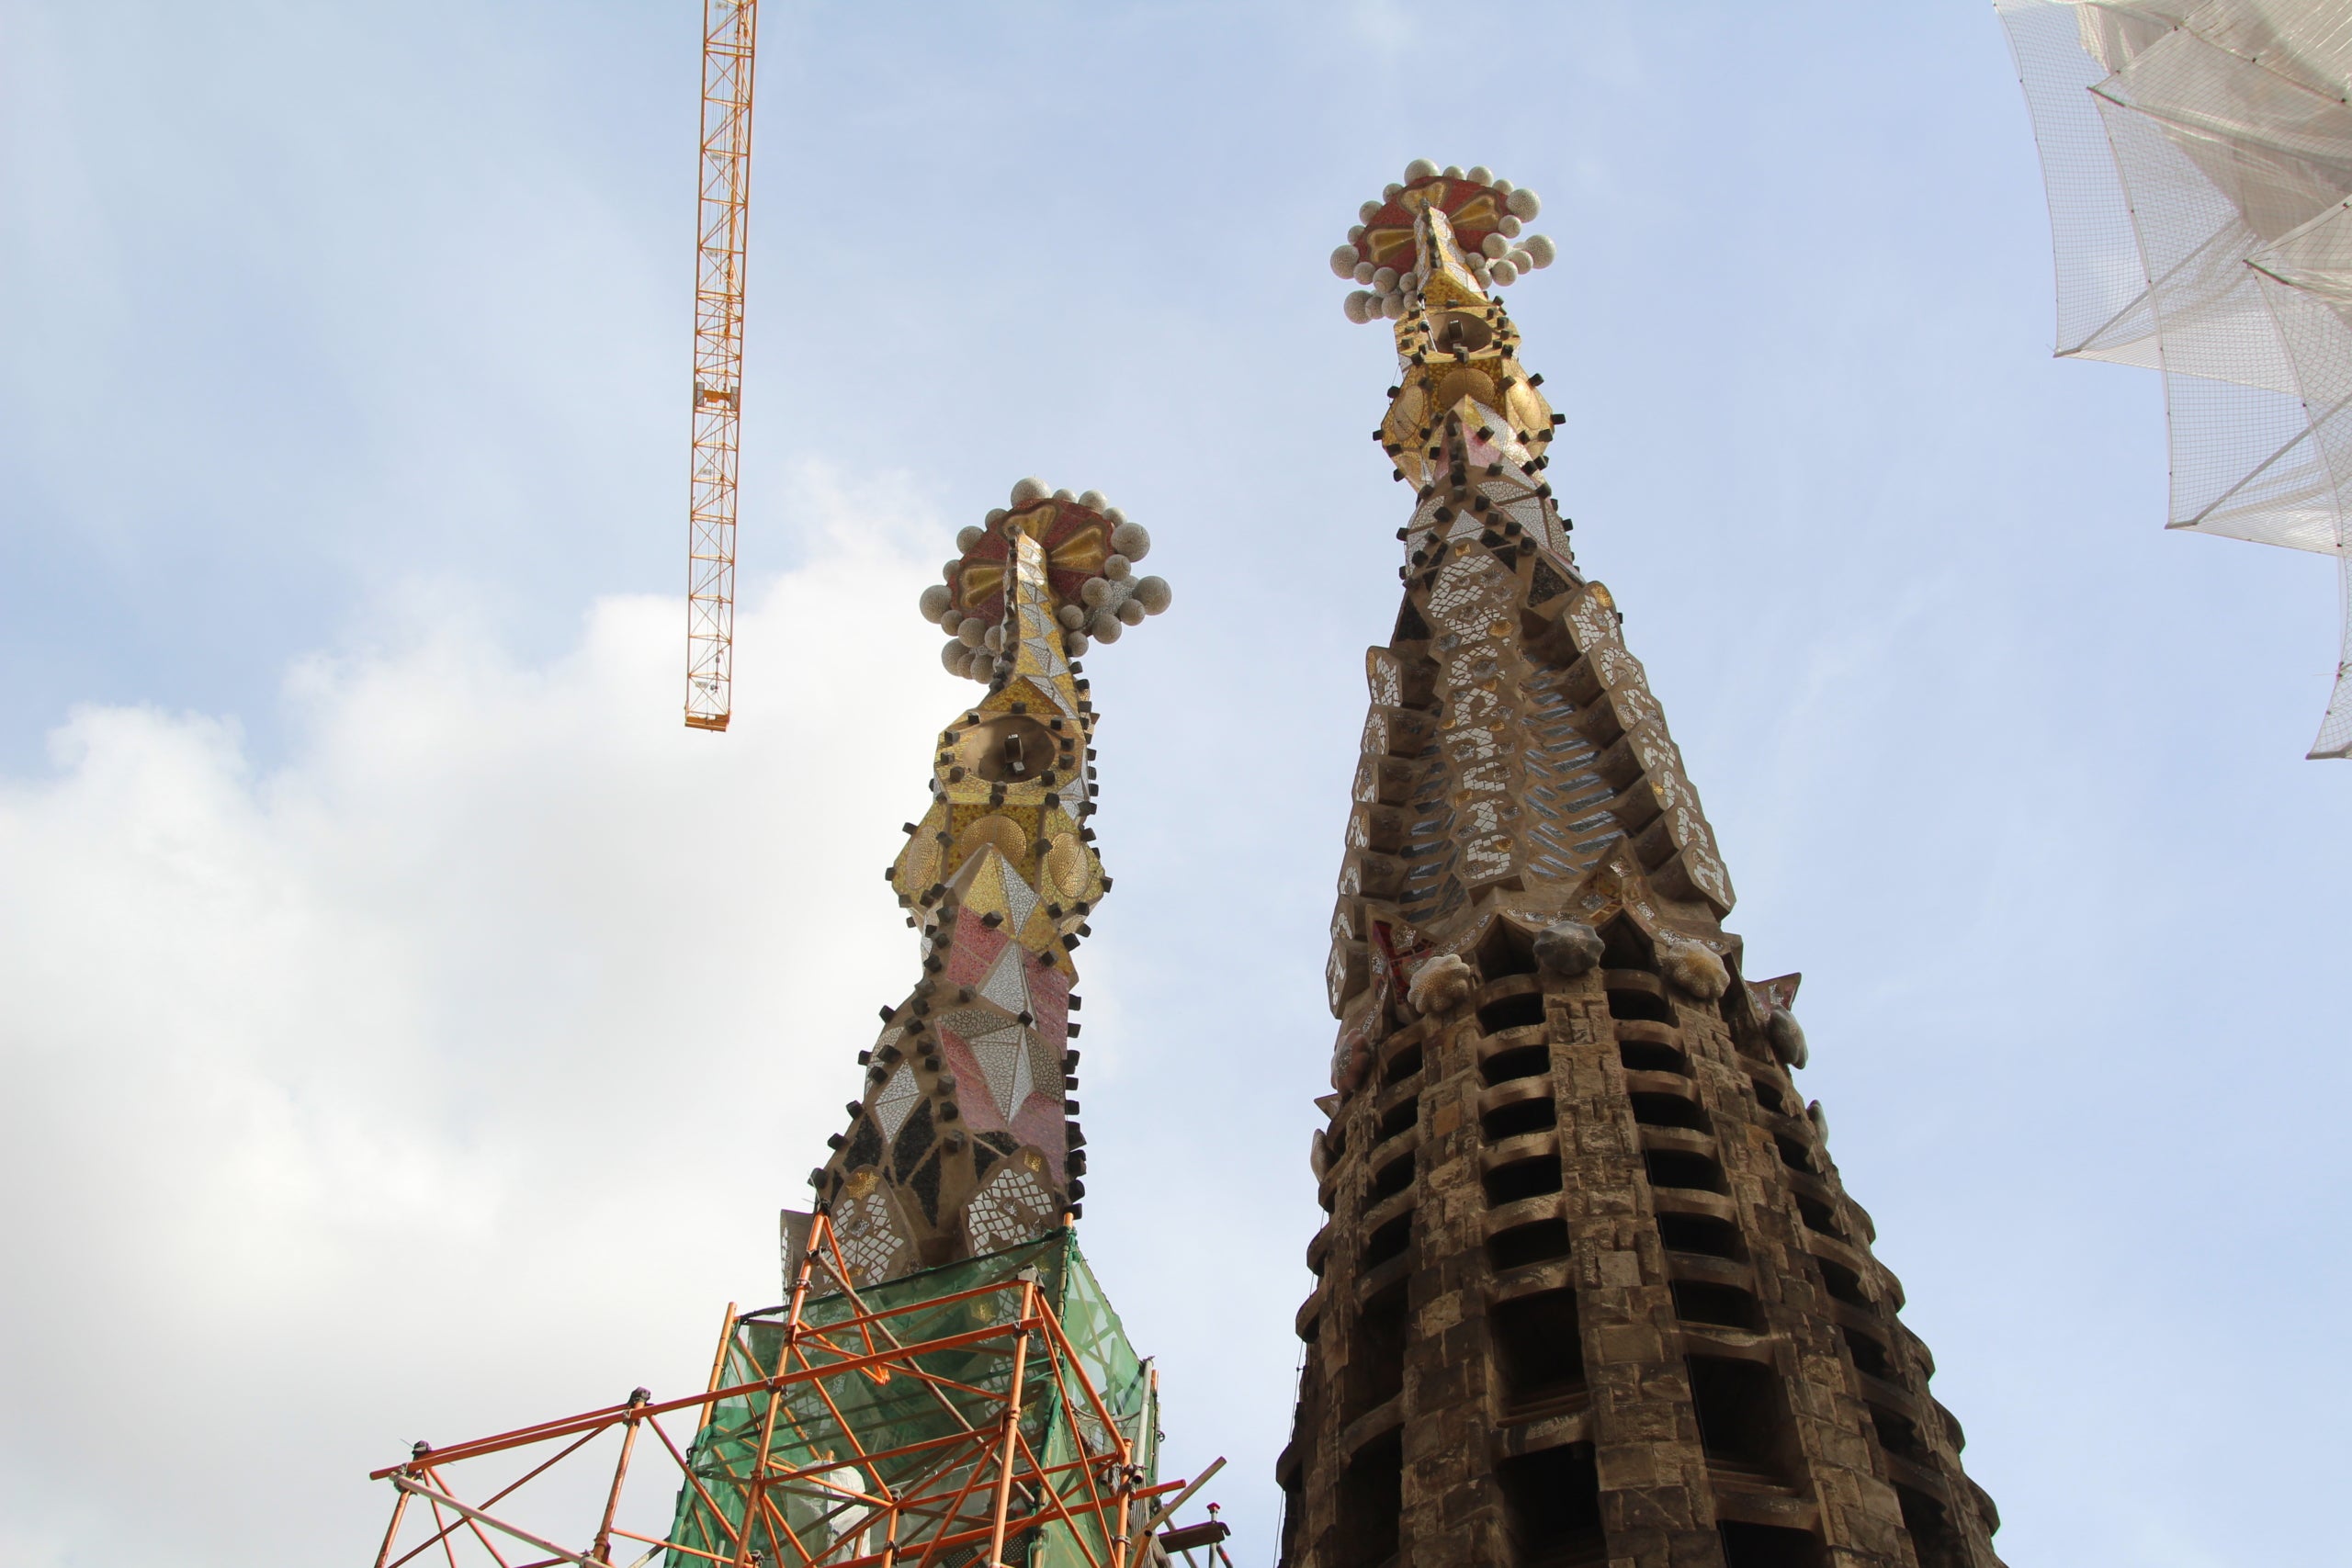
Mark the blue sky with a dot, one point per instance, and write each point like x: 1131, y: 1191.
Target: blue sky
x: 384, y: 963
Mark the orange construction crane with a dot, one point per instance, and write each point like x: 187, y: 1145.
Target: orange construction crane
x: 729, y: 31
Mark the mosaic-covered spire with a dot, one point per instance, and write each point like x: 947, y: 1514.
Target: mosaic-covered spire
x: 1591, y: 1288
x: 964, y: 1140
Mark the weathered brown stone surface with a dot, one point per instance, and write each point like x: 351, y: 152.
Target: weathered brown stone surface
x: 1590, y: 1290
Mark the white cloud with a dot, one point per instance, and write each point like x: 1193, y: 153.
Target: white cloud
x: 446, y: 1074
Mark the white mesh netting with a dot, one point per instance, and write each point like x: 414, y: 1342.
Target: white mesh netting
x: 2198, y: 159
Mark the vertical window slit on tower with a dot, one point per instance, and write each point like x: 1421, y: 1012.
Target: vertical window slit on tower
x: 1700, y: 1234
x: 1519, y: 1062
x: 1519, y: 1118
x: 1523, y: 1245
x: 1551, y: 1508
x: 1402, y: 1065
x: 1674, y: 1168
x: 1743, y: 1421
x: 1539, y: 1348
x: 1370, y: 1499
x: 1770, y: 1546
x: 1376, y: 1360
x: 1624, y: 1001
x: 1933, y: 1538
x: 1650, y: 1056
x: 1818, y: 1216
x: 1870, y: 1356
x: 1512, y: 1012
x: 1724, y: 1306
x: 1843, y: 1283
x: 1524, y: 1178
x: 1896, y: 1434
x: 1668, y: 1110
x: 1389, y: 1241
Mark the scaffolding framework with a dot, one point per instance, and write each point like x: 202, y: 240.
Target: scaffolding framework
x: 731, y: 30
x: 986, y: 1412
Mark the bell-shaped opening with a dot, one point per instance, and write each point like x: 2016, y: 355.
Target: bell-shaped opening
x: 1376, y: 1359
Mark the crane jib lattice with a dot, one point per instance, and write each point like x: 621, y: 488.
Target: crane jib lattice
x: 722, y: 221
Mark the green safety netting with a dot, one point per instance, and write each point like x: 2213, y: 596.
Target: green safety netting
x: 822, y: 1428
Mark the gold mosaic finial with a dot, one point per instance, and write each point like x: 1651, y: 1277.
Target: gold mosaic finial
x: 1086, y: 585
x: 1486, y: 218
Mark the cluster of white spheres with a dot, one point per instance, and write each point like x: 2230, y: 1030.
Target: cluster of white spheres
x: 1504, y: 256
x: 1109, y: 603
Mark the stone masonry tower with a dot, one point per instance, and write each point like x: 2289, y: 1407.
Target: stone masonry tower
x: 1590, y: 1290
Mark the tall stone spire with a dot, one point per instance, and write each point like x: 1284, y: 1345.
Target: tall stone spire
x: 1590, y: 1290
x: 964, y: 1140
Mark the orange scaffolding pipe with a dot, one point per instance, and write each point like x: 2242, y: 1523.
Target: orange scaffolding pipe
x: 916, y: 1521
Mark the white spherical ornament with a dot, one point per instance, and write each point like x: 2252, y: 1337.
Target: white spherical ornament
x: 1343, y: 261
x: 1368, y: 211
x: 1478, y: 174
x: 1362, y: 272
x: 1521, y: 260
x: 953, y: 619
x: 1502, y: 272
x: 1419, y: 169
x: 966, y: 539
x: 1524, y: 204
x: 1113, y: 516
x: 1130, y: 613
x: 1131, y: 540
x: 1152, y: 593
x: 1384, y: 280
x: 1093, y: 499
x: 1355, y: 235
x: 952, y: 655
x: 1104, y: 628
x: 1541, y: 250
x: 1071, y: 617
x: 993, y: 639
x: 1030, y: 492
x: 983, y: 665
x: 1095, y: 591
x: 1065, y: 494
x: 973, y: 630
x: 1502, y: 187
x: 1508, y: 225
x: 995, y: 515
x: 1392, y: 307
x: 934, y: 602
x: 1116, y: 567
x: 1494, y: 245
x: 1451, y: 171
x: 1075, y: 643
x: 1391, y: 191
x: 1357, y: 307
